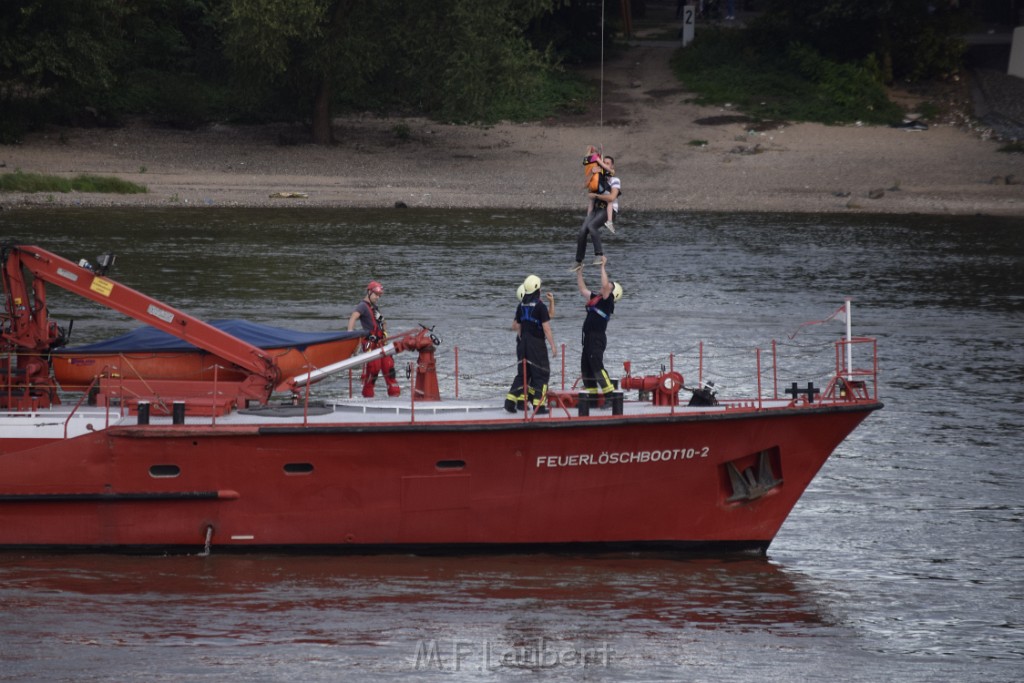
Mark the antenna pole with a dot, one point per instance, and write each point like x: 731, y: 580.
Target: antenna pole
x: 849, y: 341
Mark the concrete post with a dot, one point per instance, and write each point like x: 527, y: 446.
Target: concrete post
x: 689, y: 18
x: 1016, y: 67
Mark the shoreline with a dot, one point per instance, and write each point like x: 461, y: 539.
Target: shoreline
x: 672, y: 155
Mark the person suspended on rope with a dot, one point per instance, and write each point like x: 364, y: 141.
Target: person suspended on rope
x: 367, y: 313
x: 596, y: 174
x: 532, y: 325
x: 600, y: 307
x: 600, y: 202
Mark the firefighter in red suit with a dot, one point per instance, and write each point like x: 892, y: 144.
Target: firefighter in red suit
x: 368, y: 314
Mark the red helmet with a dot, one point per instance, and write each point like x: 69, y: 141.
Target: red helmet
x: 375, y: 287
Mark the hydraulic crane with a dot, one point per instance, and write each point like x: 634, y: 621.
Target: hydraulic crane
x: 27, y: 337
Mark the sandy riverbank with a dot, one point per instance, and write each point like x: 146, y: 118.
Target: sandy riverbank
x: 646, y: 122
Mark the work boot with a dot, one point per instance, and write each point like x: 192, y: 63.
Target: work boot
x: 510, y: 405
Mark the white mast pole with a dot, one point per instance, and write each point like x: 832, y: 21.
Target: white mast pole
x: 849, y: 341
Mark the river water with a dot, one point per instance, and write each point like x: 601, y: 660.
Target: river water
x: 903, y: 561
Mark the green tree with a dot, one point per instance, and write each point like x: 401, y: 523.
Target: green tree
x: 906, y: 38
x: 290, y: 43
x: 60, y: 51
x: 174, y: 69
x: 451, y: 57
x: 457, y: 58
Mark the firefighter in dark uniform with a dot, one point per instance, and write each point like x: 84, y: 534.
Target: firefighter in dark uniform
x: 600, y: 307
x: 532, y: 324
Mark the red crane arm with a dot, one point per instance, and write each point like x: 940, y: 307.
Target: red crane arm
x: 30, y: 328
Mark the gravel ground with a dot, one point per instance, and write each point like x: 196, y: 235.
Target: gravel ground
x: 999, y: 102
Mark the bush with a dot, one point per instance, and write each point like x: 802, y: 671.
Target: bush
x: 106, y: 185
x: 791, y: 82
x: 179, y: 100
x: 909, y: 39
x: 18, y: 117
x: 548, y: 93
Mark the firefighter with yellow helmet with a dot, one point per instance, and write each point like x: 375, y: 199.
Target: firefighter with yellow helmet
x: 532, y: 324
x: 600, y: 307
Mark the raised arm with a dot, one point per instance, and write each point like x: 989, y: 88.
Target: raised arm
x: 581, y: 285
x: 606, y: 284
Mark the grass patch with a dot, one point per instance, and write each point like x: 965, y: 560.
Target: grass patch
x: 402, y: 131
x: 798, y: 84
x: 541, y: 94
x: 37, y: 182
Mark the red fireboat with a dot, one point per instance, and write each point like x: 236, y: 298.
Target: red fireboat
x: 249, y: 459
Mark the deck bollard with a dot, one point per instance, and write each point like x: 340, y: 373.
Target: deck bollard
x: 143, y: 413
x: 178, y: 413
x: 583, y: 403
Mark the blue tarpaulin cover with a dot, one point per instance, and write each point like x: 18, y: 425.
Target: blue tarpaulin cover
x: 148, y: 339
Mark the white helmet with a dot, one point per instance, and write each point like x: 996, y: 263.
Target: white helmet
x: 531, y: 284
x: 521, y: 292
x: 617, y: 290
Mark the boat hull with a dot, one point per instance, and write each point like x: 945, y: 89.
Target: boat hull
x: 657, y: 483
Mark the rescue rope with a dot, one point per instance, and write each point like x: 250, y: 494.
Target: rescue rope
x: 600, y: 121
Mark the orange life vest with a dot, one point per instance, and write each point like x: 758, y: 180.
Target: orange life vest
x: 592, y: 173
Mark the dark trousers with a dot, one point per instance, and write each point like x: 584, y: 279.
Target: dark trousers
x: 515, y: 393
x: 538, y: 371
x: 591, y: 228
x: 592, y: 369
